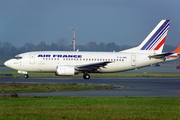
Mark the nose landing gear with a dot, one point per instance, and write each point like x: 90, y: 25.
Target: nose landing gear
x: 26, y: 76
x: 25, y: 73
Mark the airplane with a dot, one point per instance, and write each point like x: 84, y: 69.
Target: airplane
x: 64, y: 63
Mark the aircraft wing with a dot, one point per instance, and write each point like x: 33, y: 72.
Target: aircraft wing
x: 92, y: 66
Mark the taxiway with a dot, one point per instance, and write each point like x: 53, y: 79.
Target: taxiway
x: 135, y: 87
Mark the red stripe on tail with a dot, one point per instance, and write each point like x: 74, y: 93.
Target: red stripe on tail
x: 160, y: 44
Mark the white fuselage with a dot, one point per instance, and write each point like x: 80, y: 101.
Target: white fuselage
x: 70, y: 63
x: 47, y: 61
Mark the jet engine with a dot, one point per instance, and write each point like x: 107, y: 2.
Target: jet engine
x: 64, y: 70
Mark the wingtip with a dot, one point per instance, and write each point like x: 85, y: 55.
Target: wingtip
x: 177, y: 50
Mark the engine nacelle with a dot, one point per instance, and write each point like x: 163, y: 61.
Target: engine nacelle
x: 65, y: 70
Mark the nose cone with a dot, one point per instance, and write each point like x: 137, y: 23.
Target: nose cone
x: 8, y: 63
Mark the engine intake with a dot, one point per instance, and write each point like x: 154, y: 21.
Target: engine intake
x: 65, y: 70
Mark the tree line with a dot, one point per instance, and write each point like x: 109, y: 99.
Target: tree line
x: 7, y: 49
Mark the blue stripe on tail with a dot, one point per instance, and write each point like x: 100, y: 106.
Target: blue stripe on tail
x: 157, y: 36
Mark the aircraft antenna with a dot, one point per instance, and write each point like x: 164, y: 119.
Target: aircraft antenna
x: 73, y: 40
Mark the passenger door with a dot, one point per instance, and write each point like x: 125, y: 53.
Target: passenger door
x: 133, y: 59
x: 32, y: 59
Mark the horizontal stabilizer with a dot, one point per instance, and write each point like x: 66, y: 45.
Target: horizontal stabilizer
x: 163, y: 55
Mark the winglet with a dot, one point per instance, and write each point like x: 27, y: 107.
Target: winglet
x: 177, y: 50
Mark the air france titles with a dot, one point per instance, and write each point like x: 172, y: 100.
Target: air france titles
x: 61, y: 56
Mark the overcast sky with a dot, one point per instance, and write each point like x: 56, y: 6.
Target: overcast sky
x: 124, y: 22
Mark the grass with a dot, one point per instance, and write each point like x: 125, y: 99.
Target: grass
x: 101, y: 108
x: 93, y: 75
x: 26, y: 88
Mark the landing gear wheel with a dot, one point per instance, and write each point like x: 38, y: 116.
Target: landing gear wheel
x: 26, y: 76
x: 86, y: 76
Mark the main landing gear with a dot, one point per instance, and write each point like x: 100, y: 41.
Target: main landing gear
x: 26, y: 76
x: 86, y: 76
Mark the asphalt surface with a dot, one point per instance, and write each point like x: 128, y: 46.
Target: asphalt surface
x: 129, y: 87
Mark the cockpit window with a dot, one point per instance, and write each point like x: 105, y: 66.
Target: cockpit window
x: 17, y: 57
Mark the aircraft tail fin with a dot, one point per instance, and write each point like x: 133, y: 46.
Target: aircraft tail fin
x: 177, y: 50
x: 154, y: 42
